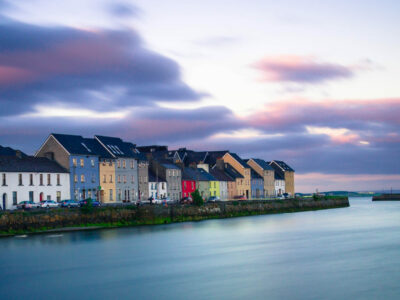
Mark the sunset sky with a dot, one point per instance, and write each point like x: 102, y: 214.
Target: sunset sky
x: 313, y: 83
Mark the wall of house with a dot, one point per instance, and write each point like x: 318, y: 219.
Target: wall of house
x: 143, y: 180
x: 289, y: 183
x: 244, y: 186
x: 107, y: 181
x: 223, y: 190
x: 279, y: 187
x: 127, y: 185
x: 204, y: 189
x: 269, y: 183
x: 174, y: 182
x: 232, y: 189
x: 59, y: 154
x: 87, y: 188
x: 188, y: 187
x: 23, y: 191
x: 257, y: 188
x: 158, y: 190
x: 214, y: 189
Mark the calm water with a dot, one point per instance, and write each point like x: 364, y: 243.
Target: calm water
x: 346, y: 253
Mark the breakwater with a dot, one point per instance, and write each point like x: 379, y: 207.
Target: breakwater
x: 18, y: 222
x: 387, y: 197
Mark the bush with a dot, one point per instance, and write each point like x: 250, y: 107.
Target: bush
x: 88, y: 207
x: 197, y: 199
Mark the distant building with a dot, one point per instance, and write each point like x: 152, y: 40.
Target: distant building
x: 285, y: 172
x: 31, y: 178
x: 74, y: 153
x: 188, y: 181
x: 169, y: 172
x: 157, y: 187
x: 263, y: 169
x: 243, y: 185
x: 224, y: 182
x: 257, y: 186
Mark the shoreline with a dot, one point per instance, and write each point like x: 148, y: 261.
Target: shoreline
x: 56, y: 221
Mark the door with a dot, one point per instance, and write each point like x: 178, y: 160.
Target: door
x: 4, y: 201
x: 41, y: 197
x: 31, y: 196
x: 247, y: 194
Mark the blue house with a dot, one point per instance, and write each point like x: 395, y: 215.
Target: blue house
x: 257, y: 185
x: 80, y: 156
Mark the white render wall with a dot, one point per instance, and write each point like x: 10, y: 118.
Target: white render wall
x: 279, y: 187
x: 49, y: 191
x: 223, y: 190
x: 160, y: 191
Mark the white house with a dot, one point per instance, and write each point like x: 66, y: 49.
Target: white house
x: 279, y: 184
x: 157, y: 187
x: 31, y: 178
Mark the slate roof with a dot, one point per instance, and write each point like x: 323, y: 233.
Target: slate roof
x: 153, y: 177
x: 232, y: 172
x: 167, y: 164
x: 97, y: 148
x: 220, y: 175
x: 189, y: 174
x: 283, y: 165
x: 193, y: 157
x: 279, y: 176
x: 263, y: 164
x: 212, y: 156
x: 29, y: 164
x: 10, y: 151
x: 254, y: 175
x: 239, y: 160
x: 74, y: 144
x: 152, y: 148
x: 117, y: 146
x: 204, y: 175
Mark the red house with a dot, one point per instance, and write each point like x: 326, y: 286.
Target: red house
x: 188, y: 183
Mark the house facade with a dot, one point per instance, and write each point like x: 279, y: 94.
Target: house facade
x: 244, y: 184
x: 188, y: 182
x: 125, y: 166
x: 170, y: 173
x: 158, y: 188
x: 262, y: 168
x: 73, y: 152
x: 286, y: 172
x: 31, y: 178
x: 224, y: 180
x: 257, y: 186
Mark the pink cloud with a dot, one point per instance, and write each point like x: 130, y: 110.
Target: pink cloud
x: 300, y: 69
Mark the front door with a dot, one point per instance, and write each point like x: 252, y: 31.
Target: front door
x: 41, y: 197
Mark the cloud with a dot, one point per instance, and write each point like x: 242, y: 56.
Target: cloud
x: 299, y: 69
x: 218, y: 41
x: 53, y: 65
x: 122, y: 10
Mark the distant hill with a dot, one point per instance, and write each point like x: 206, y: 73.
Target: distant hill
x: 347, y: 193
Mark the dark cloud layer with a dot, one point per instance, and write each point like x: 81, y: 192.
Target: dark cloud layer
x: 299, y: 69
x: 64, y: 65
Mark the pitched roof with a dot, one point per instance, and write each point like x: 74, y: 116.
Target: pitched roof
x: 153, y: 177
x: 263, y: 164
x: 232, y: 172
x: 279, y: 176
x: 220, y: 175
x: 254, y: 175
x: 97, y: 148
x: 283, y: 165
x: 10, y: 151
x: 189, y: 174
x: 193, y: 157
x: 74, y: 144
x: 212, y: 156
x: 166, y: 163
x: 29, y: 164
x: 116, y: 146
x: 205, y: 176
x: 239, y: 160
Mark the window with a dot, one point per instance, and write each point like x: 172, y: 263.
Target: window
x: 74, y: 163
x: 119, y: 194
x: 20, y: 179
x: 15, y: 201
x: 75, y: 178
x: 124, y: 164
x: 30, y: 195
x: 82, y: 178
x: 104, y: 178
x: 132, y: 164
x: 184, y: 184
x: 144, y: 179
x: 93, y: 178
x: 110, y: 163
x: 163, y: 185
x: 41, y: 179
x: 119, y: 164
x: 111, y: 179
x: 119, y: 178
x: 133, y: 179
x: 82, y: 162
x: 4, y: 181
x: 124, y: 178
x: 58, y: 179
x: 92, y: 162
x: 58, y: 196
x: 30, y: 179
x: 76, y: 193
x: 192, y: 185
x: 48, y: 179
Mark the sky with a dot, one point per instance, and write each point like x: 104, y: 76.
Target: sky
x: 313, y: 83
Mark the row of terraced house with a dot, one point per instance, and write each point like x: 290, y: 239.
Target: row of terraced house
x: 111, y: 170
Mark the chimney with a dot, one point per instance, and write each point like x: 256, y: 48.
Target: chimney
x: 220, y: 164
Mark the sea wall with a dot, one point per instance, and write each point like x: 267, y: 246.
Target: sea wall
x: 17, y: 222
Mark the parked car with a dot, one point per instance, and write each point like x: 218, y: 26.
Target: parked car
x: 94, y: 203
x: 157, y: 201
x: 28, y: 205
x: 49, y: 203
x: 239, y: 198
x: 69, y: 203
x: 213, y: 199
x: 186, y: 200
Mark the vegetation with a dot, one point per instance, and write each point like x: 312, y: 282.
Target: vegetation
x: 88, y: 207
x: 197, y: 199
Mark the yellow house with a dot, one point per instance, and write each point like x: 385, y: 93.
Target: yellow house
x: 214, y: 188
x: 243, y: 185
x: 107, y: 180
